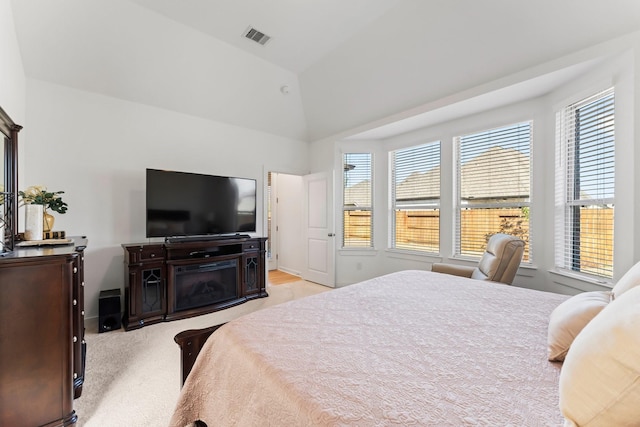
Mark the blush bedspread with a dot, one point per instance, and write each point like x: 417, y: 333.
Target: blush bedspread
x: 408, y: 348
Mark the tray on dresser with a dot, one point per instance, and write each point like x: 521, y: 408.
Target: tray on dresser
x: 44, y: 242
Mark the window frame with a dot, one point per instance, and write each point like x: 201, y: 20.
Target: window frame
x: 434, y: 205
x: 567, y: 205
x: 349, y: 208
x: 524, y: 206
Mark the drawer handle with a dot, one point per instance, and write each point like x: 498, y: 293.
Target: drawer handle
x: 75, y: 302
x: 75, y: 375
x: 75, y: 270
x: 75, y: 338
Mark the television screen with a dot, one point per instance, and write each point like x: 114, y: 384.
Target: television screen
x: 191, y: 204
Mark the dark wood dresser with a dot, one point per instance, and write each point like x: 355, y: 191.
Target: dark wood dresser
x: 42, y: 347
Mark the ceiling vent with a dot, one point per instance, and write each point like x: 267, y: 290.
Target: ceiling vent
x: 257, y: 36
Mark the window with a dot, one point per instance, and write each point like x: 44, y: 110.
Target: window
x: 415, y: 198
x: 585, y: 186
x: 494, y: 182
x: 357, y: 205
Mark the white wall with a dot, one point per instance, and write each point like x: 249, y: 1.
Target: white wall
x: 424, y: 52
x: 12, y: 84
x: 125, y: 50
x: 12, y: 79
x: 620, y: 68
x: 96, y: 149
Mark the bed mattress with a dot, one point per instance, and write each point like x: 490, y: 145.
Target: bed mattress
x: 408, y: 348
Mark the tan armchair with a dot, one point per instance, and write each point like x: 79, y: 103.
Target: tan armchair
x: 499, y: 263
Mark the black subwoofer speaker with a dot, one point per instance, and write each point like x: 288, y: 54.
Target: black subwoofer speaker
x: 109, y: 314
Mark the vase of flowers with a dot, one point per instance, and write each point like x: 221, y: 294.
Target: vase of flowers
x: 37, y: 195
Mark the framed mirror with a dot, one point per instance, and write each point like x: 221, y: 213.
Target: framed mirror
x: 9, y: 183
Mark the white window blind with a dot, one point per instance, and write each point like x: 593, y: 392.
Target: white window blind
x: 494, y: 187
x: 415, y: 198
x: 357, y: 231
x: 585, y: 172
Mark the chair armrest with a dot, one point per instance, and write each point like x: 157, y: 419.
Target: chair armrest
x: 454, y: 269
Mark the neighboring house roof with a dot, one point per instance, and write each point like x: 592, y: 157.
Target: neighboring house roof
x: 496, y: 173
x: 358, y: 194
x: 420, y: 186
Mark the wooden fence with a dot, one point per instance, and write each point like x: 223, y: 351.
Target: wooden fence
x: 420, y: 230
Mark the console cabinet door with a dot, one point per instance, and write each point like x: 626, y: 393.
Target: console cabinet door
x: 145, y: 285
x: 146, y: 294
x: 253, y: 269
x: 251, y: 274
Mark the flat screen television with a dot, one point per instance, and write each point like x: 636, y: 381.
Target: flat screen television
x: 191, y: 204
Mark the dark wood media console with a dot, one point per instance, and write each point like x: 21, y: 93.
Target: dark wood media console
x: 185, y: 278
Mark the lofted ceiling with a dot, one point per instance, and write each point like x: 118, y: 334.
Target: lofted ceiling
x: 331, y: 67
x: 301, y: 31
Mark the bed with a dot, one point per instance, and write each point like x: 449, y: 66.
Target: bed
x: 407, y: 348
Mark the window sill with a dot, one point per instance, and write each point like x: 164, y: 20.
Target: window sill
x: 578, y: 281
x: 413, y: 255
x: 467, y: 259
x: 527, y: 270
x: 358, y: 252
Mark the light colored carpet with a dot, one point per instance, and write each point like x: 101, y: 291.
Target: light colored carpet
x: 133, y: 378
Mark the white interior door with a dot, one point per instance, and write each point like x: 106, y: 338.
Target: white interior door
x: 285, y: 222
x: 272, y: 221
x: 319, y: 244
x: 289, y: 223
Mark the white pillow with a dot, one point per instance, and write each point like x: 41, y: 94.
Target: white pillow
x: 600, y: 377
x: 568, y: 319
x: 630, y: 279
